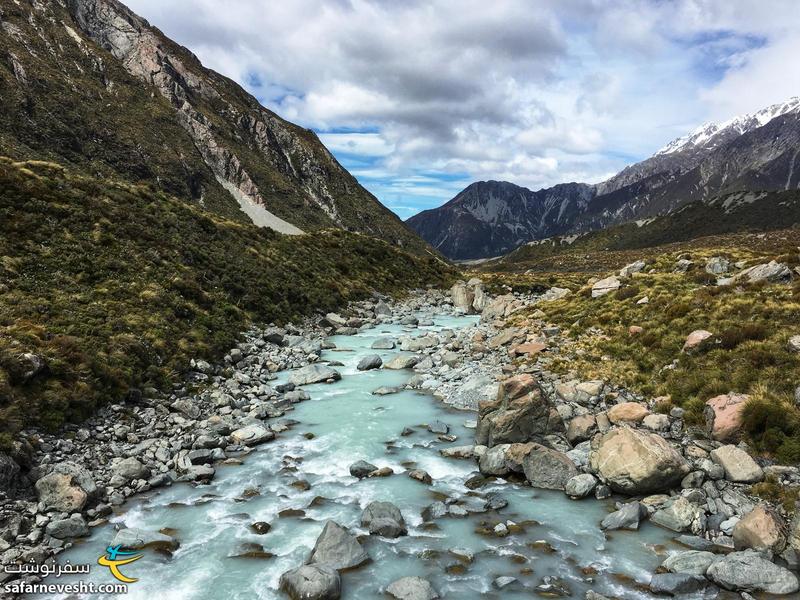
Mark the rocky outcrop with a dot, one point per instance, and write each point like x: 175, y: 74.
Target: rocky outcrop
x: 520, y: 413
x: 632, y: 461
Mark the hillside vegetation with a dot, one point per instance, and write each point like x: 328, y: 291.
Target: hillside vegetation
x: 116, y: 286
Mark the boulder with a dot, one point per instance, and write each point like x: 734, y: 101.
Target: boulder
x: 554, y: 293
x: 72, y: 527
x: 137, y: 539
x: 130, y: 468
x: 604, y: 286
x: 411, y: 588
x: 581, y: 428
x: 312, y: 582
x: 372, y: 361
x: 547, y: 468
x: 771, y: 272
x: 421, y: 476
x: 634, y: 267
x: 794, y: 344
x: 362, y: 469
x: 474, y: 390
x: 384, y: 343
x: 627, y: 412
x: 696, y: 340
x: 252, y: 435
x: 636, y: 462
x: 402, y: 361
x: 717, y: 265
x: 628, y: 516
x: 723, y: 416
x: 739, y: 465
x: 760, y: 529
x: 656, y: 422
x: 580, y: 486
x: 66, y: 488
x: 337, y: 549
x: 684, y: 585
x: 9, y: 472
x: 314, y: 373
x: 690, y: 562
x: 528, y: 348
x: 463, y: 297
x: 519, y: 413
x: 748, y: 571
x: 383, y: 519
x: 679, y: 514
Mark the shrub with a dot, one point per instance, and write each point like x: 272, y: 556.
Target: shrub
x: 733, y: 336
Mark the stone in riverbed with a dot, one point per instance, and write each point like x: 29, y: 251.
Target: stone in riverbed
x: 72, y: 527
x: 338, y: 549
x: 470, y: 394
x: 402, y: 361
x: 362, y: 469
x: 137, y: 539
x: 680, y: 515
x: 760, y: 529
x: 636, y: 462
x: 66, y: 488
x: 384, y: 519
x: 581, y: 428
x: 312, y: 582
x: 678, y: 584
x: 580, y: 486
x: 434, y: 511
x: 739, y: 465
x: 750, y: 572
x: 130, y: 468
x: 372, y: 361
x: 384, y: 343
x: 627, y: 517
x: 314, y: 373
x: 421, y: 476
x: 411, y: 588
x: 547, y: 468
x: 252, y: 435
x: 689, y: 562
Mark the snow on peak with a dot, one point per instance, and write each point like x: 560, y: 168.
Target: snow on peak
x: 708, y: 133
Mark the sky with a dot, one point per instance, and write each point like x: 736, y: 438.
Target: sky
x: 420, y: 98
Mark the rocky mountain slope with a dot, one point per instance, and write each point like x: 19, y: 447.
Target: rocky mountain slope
x: 91, y: 85
x: 755, y: 152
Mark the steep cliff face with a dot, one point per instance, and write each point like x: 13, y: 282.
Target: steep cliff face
x: 90, y: 83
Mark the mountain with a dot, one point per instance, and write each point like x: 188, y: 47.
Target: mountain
x: 753, y: 152
x: 490, y: 218
x: 89, y: 84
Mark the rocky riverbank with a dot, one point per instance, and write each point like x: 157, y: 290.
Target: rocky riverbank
x: 587, y: 438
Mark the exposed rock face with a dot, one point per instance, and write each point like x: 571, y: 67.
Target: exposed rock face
x: 635, y: 462
x: 748, y: 571
x: 739, y: 465
x: 337, y: 549
x: 760, y: 529
x: 723, y: 416
x: 520, y: 413
x: 547, y: 468
x: 312, y: 582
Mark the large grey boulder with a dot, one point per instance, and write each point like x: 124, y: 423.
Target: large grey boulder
x: 372, y: 361
x: 771, y: 272
x: 748, y: 571
x: 463, y: 297
x: 72, y: 527
x: 66, y: 488
x: 717, y: 265
x: 338, y: 549
x: 580, y: 486
x: 680, y: 515
x: 692, y: 562
x: 683, y: 585
x: 384, y: 519
x: 412, y: 588
x: 628, y: 516
x: 314, y: 374
x: 547, y: 468
x: 605, y: 286
x: 632, y: 461
x: 402, y: 361
x: 739, y: 465
x: 362, y: 469
x: 312, y: 582
x: 130, y: 468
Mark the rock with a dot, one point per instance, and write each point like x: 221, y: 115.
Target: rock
x: 372, y: 361
x: 383, y: 519
x: 794, y: 343
x: 748, y: 571
x: 383, y: 309
x: 604, y: 286
x: 420, y: 475
x: 261, y: 527
x: 137, y: 539
x: 690, y: 562
x: 503, y: 581
x: 580, y: 486
x: 337, y: 549
x: 554, y: 293
x: 680, y: 515
x: 474, y: 390
x: 656, y: 422
x: 581, y: 428
x: 313, y: 373
x: 384, y: 343
x: 634, y: 267
x: 252, y: 435
x: 458, y: 452
x: 66, y: 489
x: 130, y: 469
x: 760, y: 529
x: 362, y: 469
x: 528, y: 348
x: 409, y: 320
x: 627, y: 517
x: 72, y: 527
x: 463, y: 297
x: 312, y: 582
x: 772, y: 272
x: 438, y: 427
x: 520, y: 413
x: 636, y: 462
x: 717, y: 265
x: 627, y: 412
x: 723, y: 416
x: 411, y: 588
x: 739, y: 465
x: 547, y: 468
x: 684, y: 585
x: 696, y: 340
x: 402, y: 361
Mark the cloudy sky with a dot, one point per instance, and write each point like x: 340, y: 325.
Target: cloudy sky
x: 419, y: 98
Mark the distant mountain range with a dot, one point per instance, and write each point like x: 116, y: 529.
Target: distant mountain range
x: 753, y: 152
x: 91, y: 85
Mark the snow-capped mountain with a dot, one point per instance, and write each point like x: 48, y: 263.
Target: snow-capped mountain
x: 752, y: 152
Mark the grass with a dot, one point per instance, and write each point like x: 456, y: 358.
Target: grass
x: 749, y: 353
x: 118, y: 285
